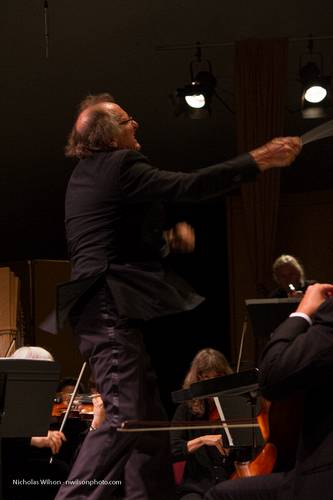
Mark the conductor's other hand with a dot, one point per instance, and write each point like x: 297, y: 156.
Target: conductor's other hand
x: 181, y: 238
x: 280, y: 152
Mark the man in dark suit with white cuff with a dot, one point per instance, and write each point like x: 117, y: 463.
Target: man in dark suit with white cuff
x: 297, y: 363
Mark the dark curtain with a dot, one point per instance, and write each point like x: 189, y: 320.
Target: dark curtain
x: 260, y: 82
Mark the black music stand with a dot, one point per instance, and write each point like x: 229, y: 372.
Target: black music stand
x: 27, y: 389
x: 266, y: 315
x: 234, y: 384
x: 237, y: 396
x: 243, y: 406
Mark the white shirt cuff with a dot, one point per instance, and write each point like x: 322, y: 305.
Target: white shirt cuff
x: 301, y: 315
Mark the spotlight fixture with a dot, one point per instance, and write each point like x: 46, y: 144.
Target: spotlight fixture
x: 194, y: 99
x: 199, y: 92
x: 316, y: 86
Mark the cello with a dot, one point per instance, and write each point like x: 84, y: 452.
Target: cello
x: 279, y: 422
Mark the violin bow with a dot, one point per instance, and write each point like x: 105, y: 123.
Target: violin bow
x: 148, y: 426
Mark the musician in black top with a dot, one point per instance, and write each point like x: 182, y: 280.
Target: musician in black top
x: 205, y: 452
x: 115, y: 222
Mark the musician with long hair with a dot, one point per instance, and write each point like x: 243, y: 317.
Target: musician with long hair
x: 205, y: 453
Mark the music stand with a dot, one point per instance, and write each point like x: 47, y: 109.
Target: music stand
x: 236, y: 397
x: 266, y: 315
x: 27, y: 388
x: 243, y: 406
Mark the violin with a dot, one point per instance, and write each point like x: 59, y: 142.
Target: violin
x: 82, y: 406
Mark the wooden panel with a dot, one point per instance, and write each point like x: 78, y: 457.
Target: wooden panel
x: 9, y: 308
x: 305, y: 230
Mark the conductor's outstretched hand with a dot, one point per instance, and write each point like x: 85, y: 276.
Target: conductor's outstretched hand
x: 279, y: 152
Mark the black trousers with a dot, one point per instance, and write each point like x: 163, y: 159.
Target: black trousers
x: 112, y: 464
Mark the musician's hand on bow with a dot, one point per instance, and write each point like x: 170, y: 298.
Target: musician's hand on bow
x: 181, y: 238
x: 53, y: 440
x: 208, y: 440
x: 215, y: 440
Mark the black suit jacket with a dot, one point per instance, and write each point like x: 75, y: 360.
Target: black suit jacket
x: 299, y: 358
x: 114, y: 222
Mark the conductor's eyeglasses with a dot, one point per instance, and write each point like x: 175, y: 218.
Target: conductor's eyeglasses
x: 129, y: 119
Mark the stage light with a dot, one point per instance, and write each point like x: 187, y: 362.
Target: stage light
x: 316, y: 87
x: 315, y: 93
x: 195, y: 98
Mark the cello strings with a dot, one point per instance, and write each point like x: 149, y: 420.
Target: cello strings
x: 320, y: 132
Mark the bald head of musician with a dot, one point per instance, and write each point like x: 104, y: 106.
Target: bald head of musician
x: 32, y: 352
